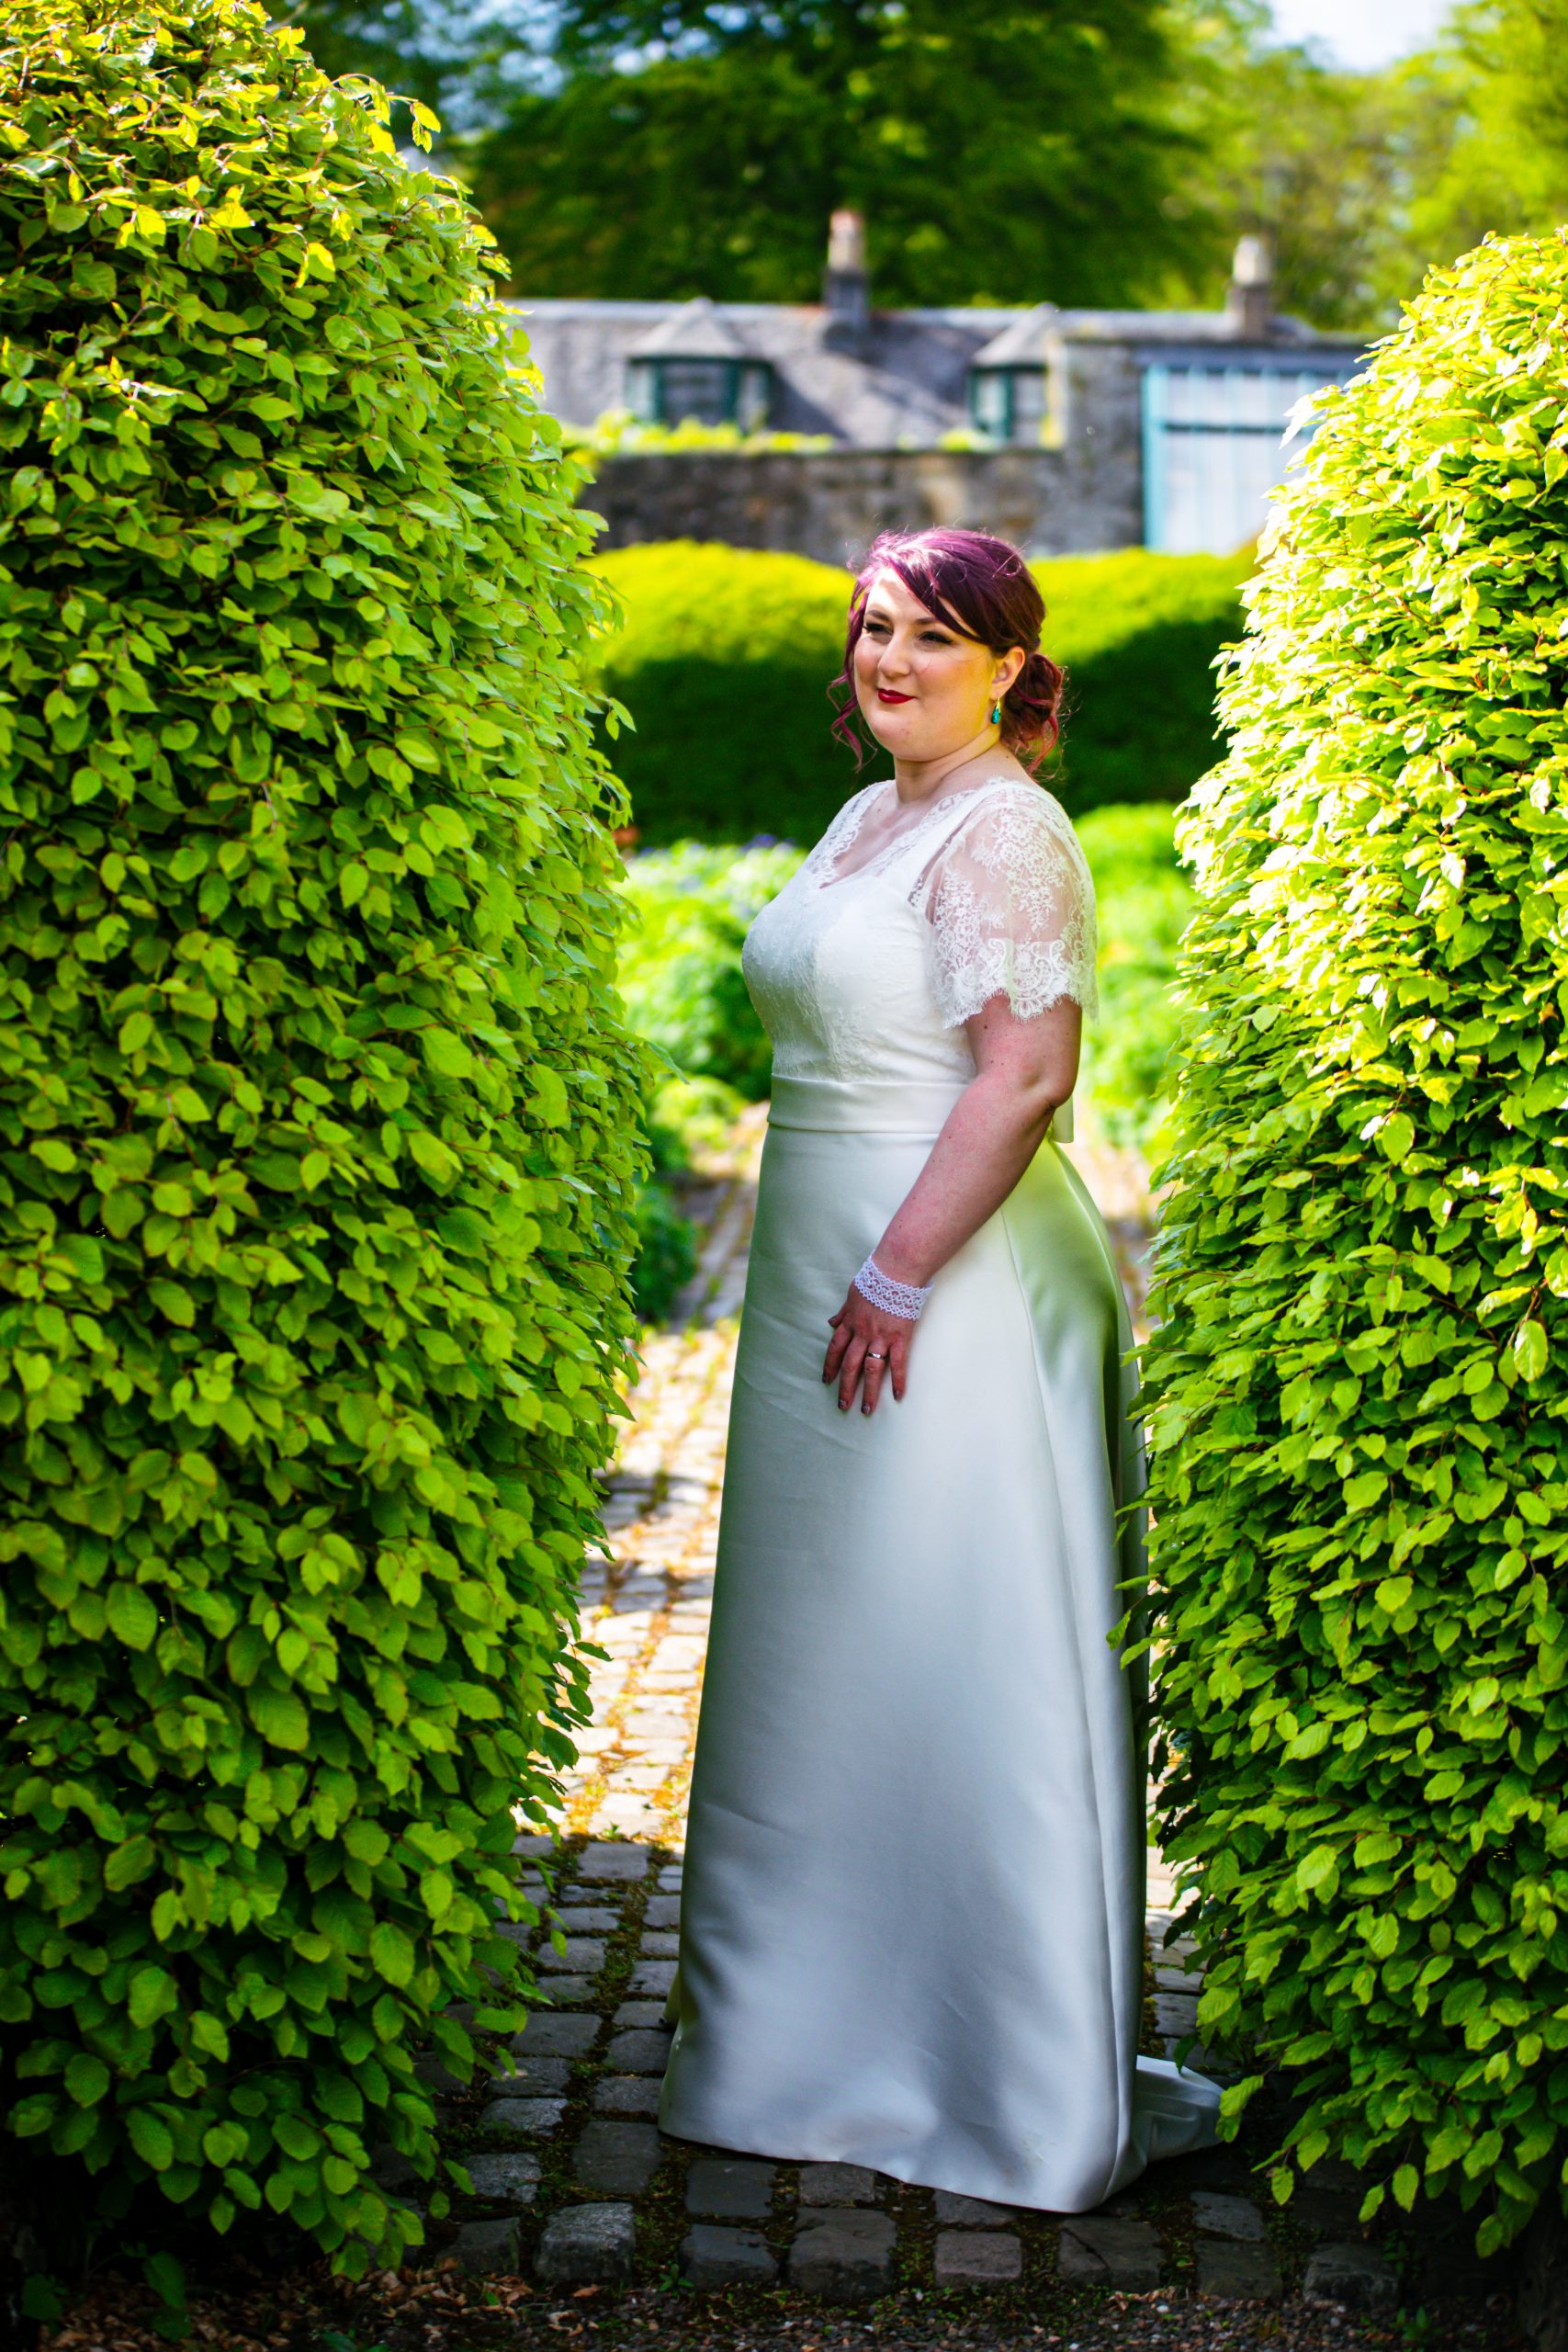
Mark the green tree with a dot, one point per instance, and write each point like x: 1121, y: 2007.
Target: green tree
x: 1363, y: 181
x: 315, y: 1178
x: 1500, y: 84
x: 1016, y: 150
x: 1358, y: 1377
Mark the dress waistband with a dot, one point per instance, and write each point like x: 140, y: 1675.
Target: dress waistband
x: 879, y: 1107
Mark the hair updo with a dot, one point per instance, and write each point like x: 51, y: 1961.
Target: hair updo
x: 980, y: 586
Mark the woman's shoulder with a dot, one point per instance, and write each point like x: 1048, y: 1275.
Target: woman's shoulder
x: 1017, y: 810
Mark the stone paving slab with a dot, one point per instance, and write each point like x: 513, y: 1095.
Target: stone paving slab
x: 643, y: 2013
x: 620, y: 2157
x: 838, y: 2185
x: 563, y: 2037
x: 1357, y: 2275
x: 520, y: 2117
x: 977, y: 2258
x: 488, y: 2249
x: 535, y: 2076
x: 593, y: 2244
x: 972, y: 2212
x: 639, y: 2051
x: 511, y: 2177
x: 844, y: 2256
x: 712, y: 2256
x: 1227, y: 2217
x: 614, y: 1864
x: 1234, y: 2272
x: 1109, y: 2253
x: 627, y: 2094
x: 731, y: 2188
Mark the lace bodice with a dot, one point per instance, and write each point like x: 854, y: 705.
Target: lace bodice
x: 871, y: 971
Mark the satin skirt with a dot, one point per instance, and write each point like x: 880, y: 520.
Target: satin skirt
x: 912, y: 1912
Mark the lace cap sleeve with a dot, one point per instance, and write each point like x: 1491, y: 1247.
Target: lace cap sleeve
x: 1011, y: 908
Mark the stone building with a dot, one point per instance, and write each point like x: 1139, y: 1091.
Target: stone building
x: 1066, y: 429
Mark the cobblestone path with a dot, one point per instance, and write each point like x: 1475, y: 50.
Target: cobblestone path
x: 574, y: 2185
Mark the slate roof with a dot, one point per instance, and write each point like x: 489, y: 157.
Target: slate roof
x: 900, y: 380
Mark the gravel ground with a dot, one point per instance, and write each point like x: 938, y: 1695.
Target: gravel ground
x: 444, y: 2311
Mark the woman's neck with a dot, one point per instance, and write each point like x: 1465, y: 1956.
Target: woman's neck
x: 917, y: 780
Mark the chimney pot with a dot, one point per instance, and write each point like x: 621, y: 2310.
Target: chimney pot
x: 1249, y: 298
x: 845, y: 287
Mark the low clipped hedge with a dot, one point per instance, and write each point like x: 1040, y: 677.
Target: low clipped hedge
x: 1359, y: 1380
x: 315, y: 1178
x: 724, y: 658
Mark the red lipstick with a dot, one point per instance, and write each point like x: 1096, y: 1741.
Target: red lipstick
x: 884, y: 694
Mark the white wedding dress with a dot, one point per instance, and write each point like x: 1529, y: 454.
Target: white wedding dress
x: 912, y: 1913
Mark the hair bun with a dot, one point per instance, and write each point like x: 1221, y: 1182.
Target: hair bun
x: 1032, y: 704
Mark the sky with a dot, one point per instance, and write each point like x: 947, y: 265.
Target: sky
x: 1361, y: 33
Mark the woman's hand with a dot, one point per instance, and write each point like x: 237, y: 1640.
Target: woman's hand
x: 867, y: 1342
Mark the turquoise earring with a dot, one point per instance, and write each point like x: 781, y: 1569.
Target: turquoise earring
x: 996, y: 713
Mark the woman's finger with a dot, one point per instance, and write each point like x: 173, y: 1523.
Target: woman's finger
x: 849, y: 1373
x: 875, y: 1365
x: 836, y: 1348
x: 898, y: 1363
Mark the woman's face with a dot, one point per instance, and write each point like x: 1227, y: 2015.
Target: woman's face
x: 923, y: 690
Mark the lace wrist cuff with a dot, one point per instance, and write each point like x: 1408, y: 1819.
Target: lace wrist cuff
x: 894, y: 1299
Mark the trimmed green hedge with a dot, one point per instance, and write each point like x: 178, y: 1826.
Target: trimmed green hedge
x: 315, y: 1119
x: 1359, y: 1376
x: 724, y: 656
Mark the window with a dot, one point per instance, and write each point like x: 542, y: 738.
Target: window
x: 1013, y: 404
x: 1213, y: 448
x: 673, y: 389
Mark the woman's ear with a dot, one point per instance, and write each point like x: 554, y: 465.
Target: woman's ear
x: 1007, y: 670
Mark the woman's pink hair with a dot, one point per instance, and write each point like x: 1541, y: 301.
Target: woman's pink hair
x: 980, y: 586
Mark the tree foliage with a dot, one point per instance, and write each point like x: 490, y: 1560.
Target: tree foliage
x: 1003, y: 153
x: 1360, y: 1375
x: 314, y: 1179
x: 1362, y: 180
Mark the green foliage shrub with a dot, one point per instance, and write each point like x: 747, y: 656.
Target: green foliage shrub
x: 680, y: 975
x: 666, y: 1248
x: 315, y: 1178
x: 1143, y: 899
x: 1359, y: 1379
x: 724, y: 655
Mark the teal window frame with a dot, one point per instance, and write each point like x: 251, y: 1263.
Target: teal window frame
x: 746, y: 389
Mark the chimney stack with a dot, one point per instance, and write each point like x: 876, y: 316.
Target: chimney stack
x: 1249, y: 298
x: 845, y: 291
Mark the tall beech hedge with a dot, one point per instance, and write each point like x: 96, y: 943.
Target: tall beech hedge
x: 314, y: 1173
x: 1360, y: 1377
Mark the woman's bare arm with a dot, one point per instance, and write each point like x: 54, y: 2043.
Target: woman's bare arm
x: 1024, y: 1070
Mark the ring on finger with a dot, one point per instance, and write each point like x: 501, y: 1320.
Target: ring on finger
x: 876, y: 1355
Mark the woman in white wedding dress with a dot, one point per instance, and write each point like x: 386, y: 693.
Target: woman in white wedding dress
x: 912, y: 1913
